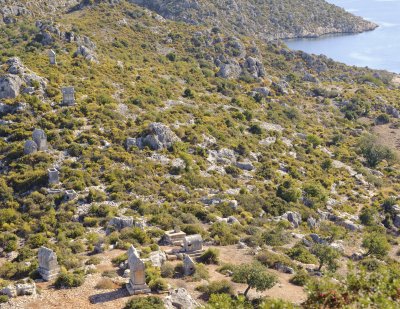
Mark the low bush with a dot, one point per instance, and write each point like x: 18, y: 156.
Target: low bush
x: 69, y: 280
x: 150, y: 302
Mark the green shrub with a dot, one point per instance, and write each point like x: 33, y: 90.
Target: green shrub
x: 158, y: 285
x: 216, y: 287
x: 201, y: 273
x: 301, y: 254
x: 4, y: 298
x: 300, y: 278
x: 69, y: 280
x: 149, y: 302
x: 210, y: 256
x: 167, y: 270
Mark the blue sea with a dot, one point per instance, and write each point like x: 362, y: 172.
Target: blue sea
x: 378, y: 49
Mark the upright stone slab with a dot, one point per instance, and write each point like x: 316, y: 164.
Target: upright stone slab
x: 189, y: 266
x: 54, y: 177
x: 48, y: 265
x: 52, y: 57
x: 68, y: 96
x: 137, y: 281
x: 30, y: 147
x: 40, y: 139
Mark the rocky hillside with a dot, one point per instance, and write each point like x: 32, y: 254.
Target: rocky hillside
x: 206, y: 165
x: 265, y: 19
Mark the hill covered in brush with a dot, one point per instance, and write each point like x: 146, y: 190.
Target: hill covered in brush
x: 265, y: 19
x: 280, y: 160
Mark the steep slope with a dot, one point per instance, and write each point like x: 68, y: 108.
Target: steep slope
x: 265, y: 19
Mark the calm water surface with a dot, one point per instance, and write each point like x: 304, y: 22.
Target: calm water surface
x: 378, y: 49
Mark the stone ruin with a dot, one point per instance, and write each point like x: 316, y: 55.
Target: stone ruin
x: 48, y: 265
x: 70, y: 195
x: 54, y: 177
x: 193, y: 244
x: 189, y: 266
x: 52, y: 57
x: 30, y: 147
x: 40, y: 138
x: 174, y: 237
x: 38, y: 142
x: 137, y: 281
x: 68, y: 96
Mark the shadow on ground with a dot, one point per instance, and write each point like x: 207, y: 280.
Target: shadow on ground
x: 108, y: 296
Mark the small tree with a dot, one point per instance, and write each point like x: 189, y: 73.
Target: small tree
x: 376, y: 244
x: 255, y: 275
x: 326, y: 255
x: 373, y: 152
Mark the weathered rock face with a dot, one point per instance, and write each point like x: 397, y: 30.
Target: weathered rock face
x: 254, y: 67
x: 119, y: 223
x: 157, y: 137
x: 293, y: 217
x: 230, y: 69
x: 10, y: 12
x: 18, y: 75
x: 10, y: 86
x: 86, y: 53
x: 49, y: 32
x: 180, y: 298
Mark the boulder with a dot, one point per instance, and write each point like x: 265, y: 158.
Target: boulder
x: 293, y: 217
x: 317, y: 239
x: 284, y: 269
x: 9, y: 290
x: 229, y: 70
x: 396, y: 220
x: 179, y: 298
x: 86, y: 53
x: 158, y: 258
x: 10, y: 86
x: 312, y: 223
x: 158, y: 136
x: 25, y: 289
x: 233, y: 220
x: 264, y: 91
x: 245, y: 165
x: 254, y: 67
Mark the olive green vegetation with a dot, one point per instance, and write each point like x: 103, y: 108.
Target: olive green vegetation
x: 152, y: 71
